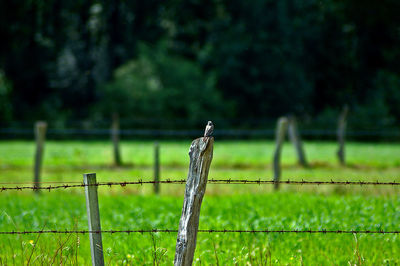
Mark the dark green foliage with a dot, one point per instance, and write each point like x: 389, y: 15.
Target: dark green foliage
x: 235, y: 61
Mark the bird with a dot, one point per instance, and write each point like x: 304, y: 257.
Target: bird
x: 209, y: 129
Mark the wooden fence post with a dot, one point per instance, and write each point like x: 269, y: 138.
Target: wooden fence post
x: 92, y: 207
x: 115, y: 139
x: 280, y: 134
x: 201, y: 154
x: 296, y: 140
x: 40, y: 136
x: 156, y: 167
x: 341, y: 134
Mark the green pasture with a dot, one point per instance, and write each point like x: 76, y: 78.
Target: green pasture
x: 227, y: 154
x: 224, y: 206
x: 274, y: 211
x: 68, y: 160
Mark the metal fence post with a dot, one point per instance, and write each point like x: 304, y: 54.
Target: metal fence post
x: 92, y: 206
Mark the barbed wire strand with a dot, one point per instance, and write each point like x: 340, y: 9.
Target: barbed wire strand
x: 210, y: 181
x: 215, y: 181
x: 142, y: 231
x: 42, y: 182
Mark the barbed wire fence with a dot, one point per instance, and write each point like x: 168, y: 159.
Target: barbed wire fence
x: 75, y: 184
x: 224, y: 133
x: 92, y: 201
x: 230, y: 181
x: 209, y: 231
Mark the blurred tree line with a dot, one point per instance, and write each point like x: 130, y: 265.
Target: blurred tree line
x: 177, y: 64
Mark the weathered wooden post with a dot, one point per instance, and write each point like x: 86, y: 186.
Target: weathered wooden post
x: 115, y: 139
x: 92, y: 207
x: 201, y: 154
x: 280, y: 134
x: 296, y: 140
x: 156, y: 168
x: 40, y: 136
x: 341, y: 134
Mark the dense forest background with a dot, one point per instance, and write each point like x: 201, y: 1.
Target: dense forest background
x: 176, y: 64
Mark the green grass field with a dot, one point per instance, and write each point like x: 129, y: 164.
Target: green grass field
x: 224, y: 207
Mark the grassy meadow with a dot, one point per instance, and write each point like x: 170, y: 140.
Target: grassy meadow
x: 224, y: 206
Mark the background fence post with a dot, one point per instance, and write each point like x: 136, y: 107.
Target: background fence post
x: 341, y: 134
x: 200, y: 153
x: 115, y: 139
x: 92, y: 207
x: 156, y: 167
x: 280, y: 134
x: 40, y: 136
x: 296, y: 140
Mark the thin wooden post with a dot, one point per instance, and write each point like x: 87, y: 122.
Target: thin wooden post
x: 341, y: 134
x: 280, y: 134
x: 201, y: 154
x: 115, y: 139
x: 156, y: 168
x: 296, y: 140
x: 92, y: 206
x: 40, y: 136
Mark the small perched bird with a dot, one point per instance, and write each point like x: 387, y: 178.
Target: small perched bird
x: 209, y: 129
